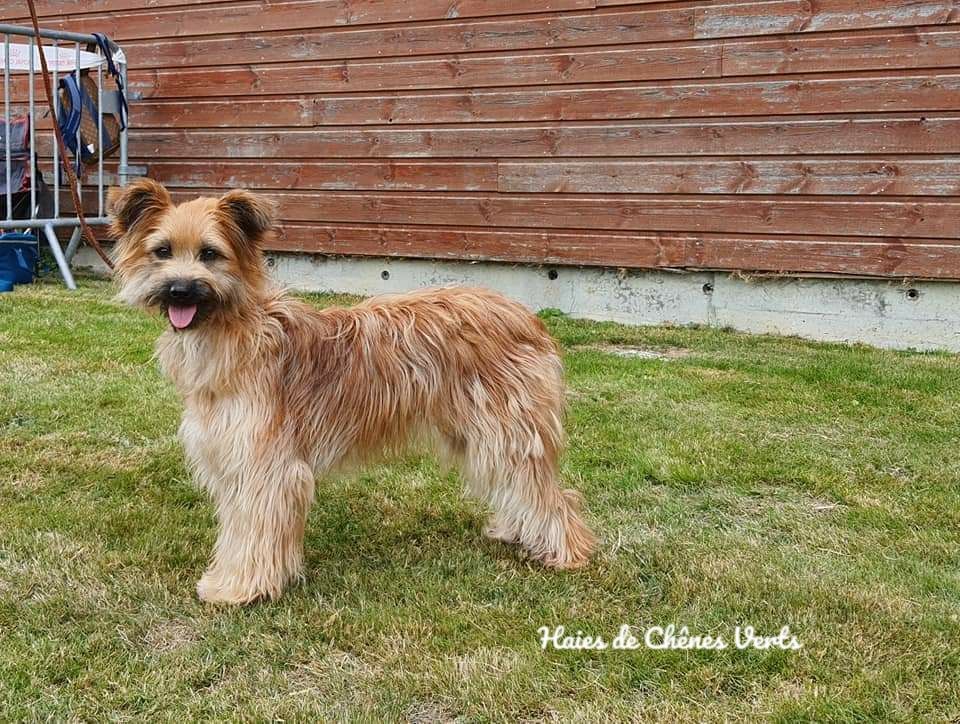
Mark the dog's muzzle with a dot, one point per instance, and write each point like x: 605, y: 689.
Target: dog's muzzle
x: 185, y: 301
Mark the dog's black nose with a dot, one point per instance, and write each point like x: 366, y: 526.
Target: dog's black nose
x: 182, y: 290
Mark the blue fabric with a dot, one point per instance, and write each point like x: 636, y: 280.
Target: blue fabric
x: 18, y: 257
x: 70, y: 119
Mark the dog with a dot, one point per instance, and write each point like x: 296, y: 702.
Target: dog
x: 277, y: 393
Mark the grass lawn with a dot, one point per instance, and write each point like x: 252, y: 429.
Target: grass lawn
x: 739, y: 480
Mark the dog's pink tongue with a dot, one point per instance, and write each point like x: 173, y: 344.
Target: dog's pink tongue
x: 180, y: 317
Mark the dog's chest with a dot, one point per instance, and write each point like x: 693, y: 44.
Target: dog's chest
x: 221, y: 435
x: 204, y: 364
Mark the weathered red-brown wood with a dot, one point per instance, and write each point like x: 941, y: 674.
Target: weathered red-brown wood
x: 884, y: 257
x: 711, y: 20
x: 467, y: 35
x: 868, y: 50
x: 256, y: 16
x: 766, y: 135
x: 930, y: 91
x: 251, y: 113
x: 937, y: 176
x: 808, y: 254
x: 289, y: 110
x: 57, y: 8
x: 922, y: 176
x: 936, y: 133
x: 724, y: 20
x: 921, y: 48
x: 918, y: 216
x: 331, y: 175
x: 460, y: 71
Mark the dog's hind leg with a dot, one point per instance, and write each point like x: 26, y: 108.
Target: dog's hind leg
x: 529, y: 508
x: 262, y: 508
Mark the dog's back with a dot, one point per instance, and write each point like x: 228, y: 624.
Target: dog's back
x: 433, y: 356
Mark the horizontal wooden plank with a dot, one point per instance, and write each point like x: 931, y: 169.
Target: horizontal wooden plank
x: 466, y: 35
x: 889, y: 176
x: 253, y: 113
x: 829, y: 176
x: 824, y: 255
x: 264, y: 15
x: 900, y: 48
x: 893, y: 49
x: 931, y: 218
x: 915, y: 48
x: 469, y: 71
x: 889, y: 259
x: 724, y: 20
x: 912, y: 258
x: 703, y: 20
x: 867, y: 93
x: 854, y: 93
x: 244, y: 112
x: 607, y: 3
x: 644, y: 26
x: 56, y: 8
x: 327, y: 174
x: 292, y: 110
x: 933, y: 133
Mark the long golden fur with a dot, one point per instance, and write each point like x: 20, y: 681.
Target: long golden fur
x: 276, y: 392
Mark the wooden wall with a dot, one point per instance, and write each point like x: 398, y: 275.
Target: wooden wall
x: 805, y: 136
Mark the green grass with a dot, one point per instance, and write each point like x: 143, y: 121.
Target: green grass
x: 746, y: 480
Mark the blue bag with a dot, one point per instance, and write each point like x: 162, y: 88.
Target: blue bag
x: 18, y: 257
x: 78, y: 111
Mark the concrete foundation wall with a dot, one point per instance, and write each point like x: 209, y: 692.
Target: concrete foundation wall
x: 922, y: 315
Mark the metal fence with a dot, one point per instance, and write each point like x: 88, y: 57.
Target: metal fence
x: 38, y: 207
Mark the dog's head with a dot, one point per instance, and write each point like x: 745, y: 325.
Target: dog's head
x: 197, y: 261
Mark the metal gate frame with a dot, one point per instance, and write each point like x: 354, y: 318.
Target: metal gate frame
x: 57, y: 220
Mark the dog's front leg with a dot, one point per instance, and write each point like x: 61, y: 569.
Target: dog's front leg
x: 262, y: 508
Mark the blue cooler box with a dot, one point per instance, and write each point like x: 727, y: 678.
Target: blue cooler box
x: 18, y: 258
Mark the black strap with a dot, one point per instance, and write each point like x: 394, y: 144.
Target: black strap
x: 107, y: 47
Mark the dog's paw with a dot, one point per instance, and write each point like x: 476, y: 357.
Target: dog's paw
x: 212, y: 590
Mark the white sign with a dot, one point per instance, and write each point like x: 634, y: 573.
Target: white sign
x: 64, y: 59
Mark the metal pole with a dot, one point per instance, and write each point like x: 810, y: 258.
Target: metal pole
x: 55, y: 223
x: 56, y: 119
x: 73, y: 244
x: 76, y: 72
x: 28, y: 32
x: 34, y: 47
x: 99, y: 140
x: 58, y: 255
x: 123, y: 170
x: 6, y: 118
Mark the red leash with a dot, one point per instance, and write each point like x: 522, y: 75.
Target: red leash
x: 87, y: 231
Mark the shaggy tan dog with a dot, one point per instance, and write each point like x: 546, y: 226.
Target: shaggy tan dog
x: 276, y: 392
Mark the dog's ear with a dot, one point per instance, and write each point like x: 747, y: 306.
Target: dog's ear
x: 136, y: 205
x: 246, y: 217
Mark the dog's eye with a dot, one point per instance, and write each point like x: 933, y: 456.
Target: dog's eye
x: 162, y: 252
x: 208, y: 254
